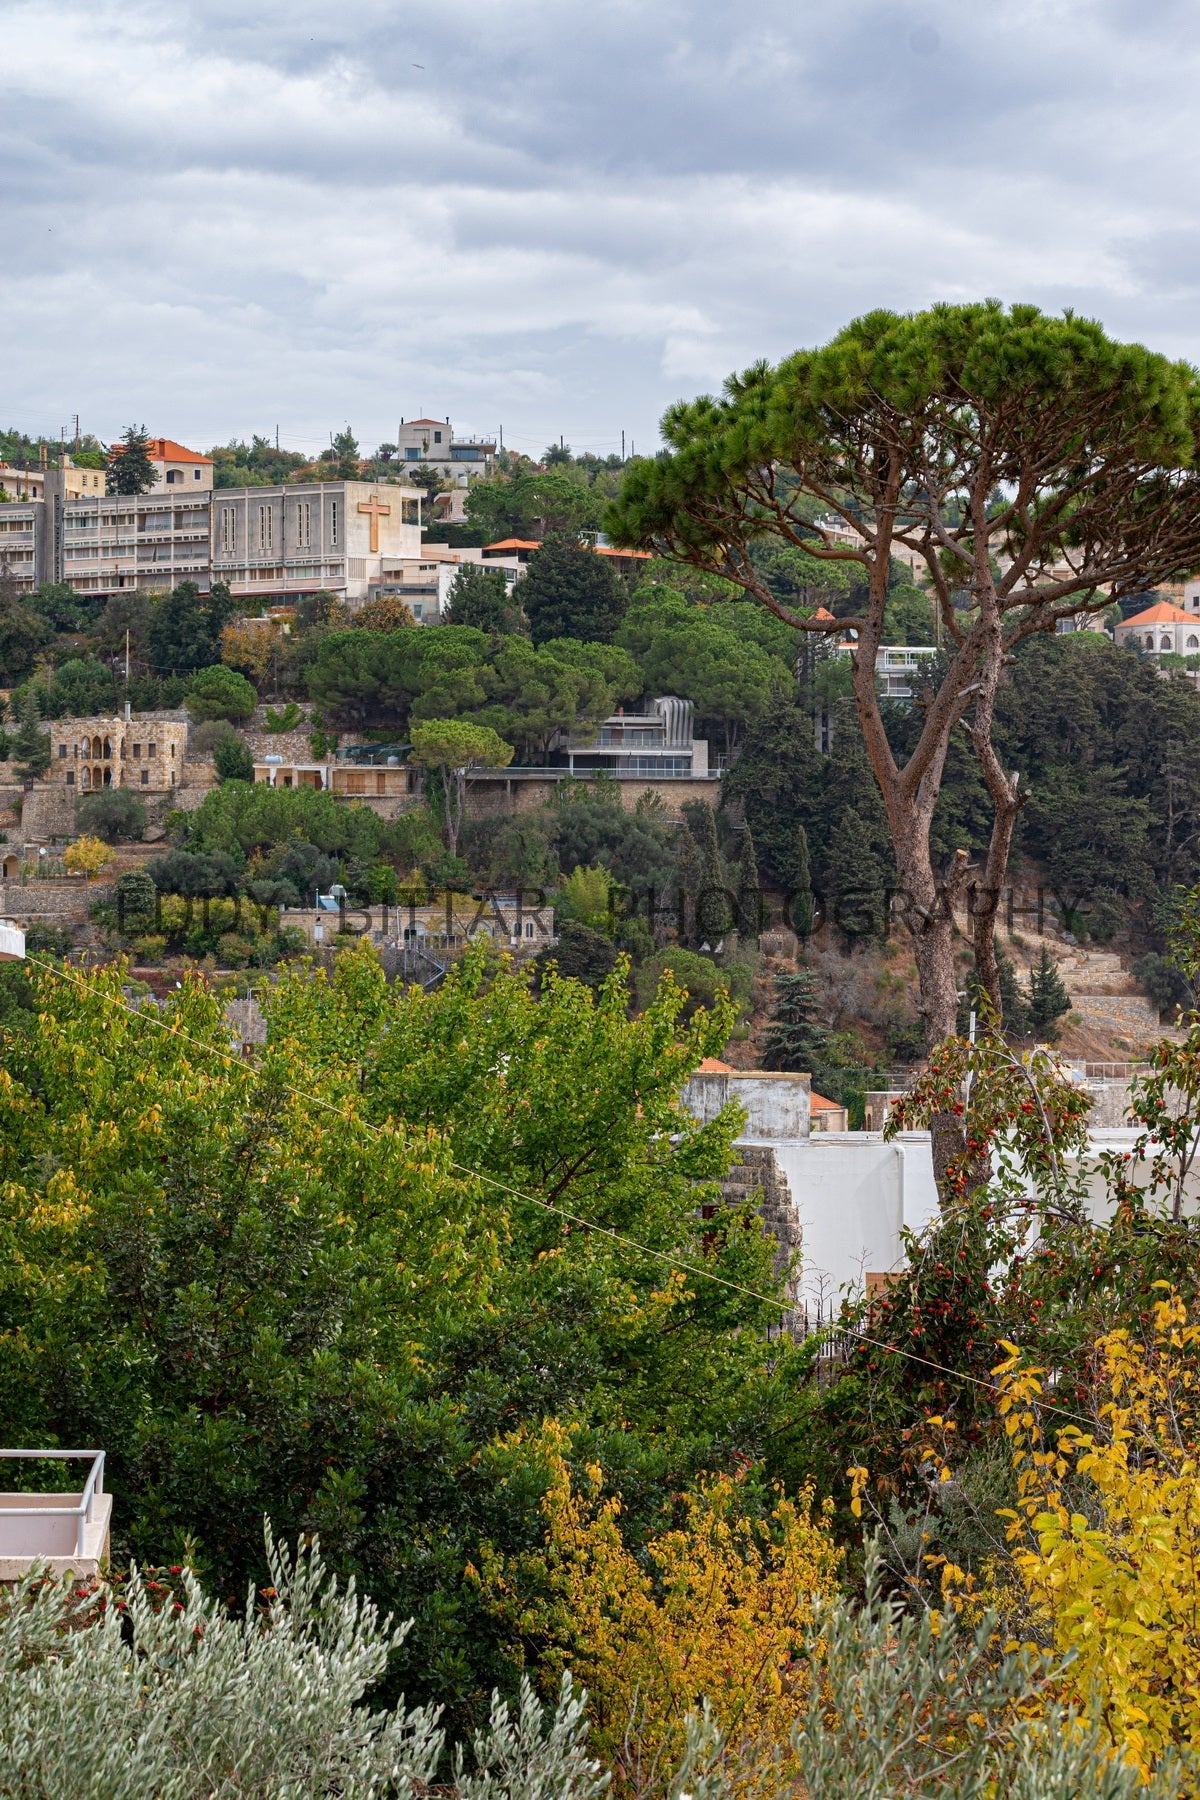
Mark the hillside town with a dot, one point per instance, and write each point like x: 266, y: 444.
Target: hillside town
x: 599, y: 905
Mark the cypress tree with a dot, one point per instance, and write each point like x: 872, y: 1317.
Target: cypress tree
x: 802, y: 899
x: 31, y: 745
x: 749, y: 894
x: 1048, y: 996
x: 714, y: 908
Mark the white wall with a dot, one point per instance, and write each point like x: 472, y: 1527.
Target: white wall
x: 12, y: 942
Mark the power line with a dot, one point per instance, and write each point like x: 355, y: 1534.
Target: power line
x: 562, y: 1212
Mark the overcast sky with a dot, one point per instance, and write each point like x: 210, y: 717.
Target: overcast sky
x: 556, y: 216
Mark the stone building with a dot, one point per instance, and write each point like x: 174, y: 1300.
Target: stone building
x: 1161, y: 630
x: 86, y: 754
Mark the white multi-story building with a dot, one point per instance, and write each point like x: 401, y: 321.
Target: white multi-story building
x: 274, y: 544
x: 1162, y: 630
x: 433, y: 443
x: 283, y: 542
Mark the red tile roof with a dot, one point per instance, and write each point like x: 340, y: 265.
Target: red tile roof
x: 1161, y: 613
x: 713, y: 1066
x: 610, y: 550
x: 818, y: 1103
x: 167, y: 450
x: 514, y: 544
x: 439, y: 422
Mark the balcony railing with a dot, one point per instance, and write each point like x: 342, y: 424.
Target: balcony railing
x: 60, y: 1540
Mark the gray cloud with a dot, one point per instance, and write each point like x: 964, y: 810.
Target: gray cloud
x: 216, y: 219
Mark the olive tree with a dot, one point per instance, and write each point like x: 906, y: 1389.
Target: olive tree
x: 1037, y: 470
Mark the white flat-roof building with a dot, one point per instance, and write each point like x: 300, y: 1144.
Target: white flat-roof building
x: 432, y: 442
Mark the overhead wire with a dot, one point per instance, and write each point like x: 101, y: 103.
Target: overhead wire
x: 153, y: 1018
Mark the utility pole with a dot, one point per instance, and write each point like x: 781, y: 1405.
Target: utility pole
x: 76, y: 418
x: 277, y: 437
x: 622, y: 446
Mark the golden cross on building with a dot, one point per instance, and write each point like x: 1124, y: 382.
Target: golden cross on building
x: 377, y: 510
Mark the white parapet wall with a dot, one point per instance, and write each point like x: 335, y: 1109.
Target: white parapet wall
x: 12, y: 942
x: 855, y: 1195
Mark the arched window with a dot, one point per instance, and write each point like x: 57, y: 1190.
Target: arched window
x: 97, y: 751
x: 85, y: 780
x: 1165, y: 642
x: 1149, y: 640
x: 1193, y: 642
x: 108, y: 747
x: 108, y: 777
x: 85, y: 747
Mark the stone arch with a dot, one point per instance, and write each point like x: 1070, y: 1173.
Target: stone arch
x: 1193, y: 642
x: 85, y: 779
x: 97, y: 750
x: 1165, y: 642
x: 108, y: 747
x: 108, y: 777
x: 10, y: 867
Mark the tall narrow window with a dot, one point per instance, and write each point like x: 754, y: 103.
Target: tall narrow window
x: 303, y: 525
x: 264, y: 528
x: 333, y: 522
x: 228, y: 529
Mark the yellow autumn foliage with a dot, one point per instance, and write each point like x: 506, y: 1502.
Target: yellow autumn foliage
x: 718, y: 1608
x: 1117, y: 1586
x: 87, y: 856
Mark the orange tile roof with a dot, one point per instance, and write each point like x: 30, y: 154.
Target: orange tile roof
x: 712, y: 1065
x: 822, y: 612
x: 819, y: 1103
x: 610, y: 550
x: 166, y: 450
x: 514, y: 544
x: 1161, y: 613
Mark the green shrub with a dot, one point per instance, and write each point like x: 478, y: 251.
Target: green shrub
x: 283, y: 719
x: 115, y: 814
x: 221, y: 693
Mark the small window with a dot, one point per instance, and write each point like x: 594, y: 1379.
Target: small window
x: 62, y: 748
x: 195, y: 474
x: 151, y: 749
x: 70, y: 778
x: 1193, y: 642
x: 137, y: 751
x: 529, y: 928
x: 437, y: 437
x: 173, y: 476
x: 145, y: 778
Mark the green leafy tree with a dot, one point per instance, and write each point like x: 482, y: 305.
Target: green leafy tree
x: 221, y: 693
x: 233, y: 759
x: 1048, y: 996
x: 115, y: 814
x: 730, y: 680
x: 586, y: 896
x: 908, y: 617
x: 480, y: 597
x: 451, y: 748
x: 533, y: 693
x: 183, y: 631
x: 130, y: 470
x: 23, y: 632
x: 581, y: 954
x: 533, y: 505
x: 331, y: 1261
x: 902, y: 428
x: 570, y: 592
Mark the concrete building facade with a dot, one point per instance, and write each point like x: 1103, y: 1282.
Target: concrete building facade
x: 270, y: 544
x: 432, y: 442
